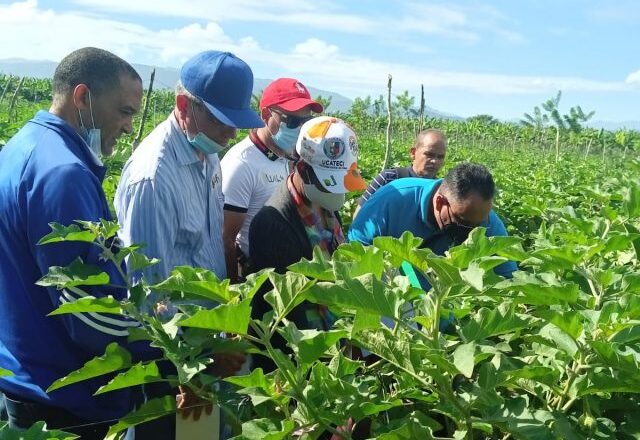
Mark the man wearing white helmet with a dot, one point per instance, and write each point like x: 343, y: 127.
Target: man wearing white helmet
x: 302, y: 212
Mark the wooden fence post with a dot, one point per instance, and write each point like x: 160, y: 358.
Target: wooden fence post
x: 422, y: 108
x: 387, y: 150
x: 14, y: 99
x: 6, y: 88
x: 138, y: 137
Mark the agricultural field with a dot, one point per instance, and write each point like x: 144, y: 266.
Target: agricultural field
x: 552, y: 353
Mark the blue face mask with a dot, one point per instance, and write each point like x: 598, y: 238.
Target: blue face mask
x: 201, y: 141
x: 286, y: 138
x: 92, y: 135
x: 205, y: 144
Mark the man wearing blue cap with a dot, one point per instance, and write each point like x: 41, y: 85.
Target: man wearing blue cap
x: 170, y: 195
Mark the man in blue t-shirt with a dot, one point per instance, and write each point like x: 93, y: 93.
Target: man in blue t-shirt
x: 442, y: 212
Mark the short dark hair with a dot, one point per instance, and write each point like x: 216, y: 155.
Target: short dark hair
x: 467, y: 178
x: 99, y: 69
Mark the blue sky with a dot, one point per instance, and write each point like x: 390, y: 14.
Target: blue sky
x: 498, y: 57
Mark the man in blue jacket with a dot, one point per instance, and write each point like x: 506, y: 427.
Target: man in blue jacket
x: 51, y: 171
x: 442, y: 212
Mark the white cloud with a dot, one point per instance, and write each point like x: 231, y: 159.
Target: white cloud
x: 633, y: 78
x: 466, y: 23
x: 316, y: 49
x: 31, y: 32
x: 324, y: 15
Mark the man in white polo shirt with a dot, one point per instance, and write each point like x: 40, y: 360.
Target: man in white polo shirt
x: 254, y: 167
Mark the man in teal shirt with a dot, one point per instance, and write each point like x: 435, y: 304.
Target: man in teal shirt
x: 442, y: 212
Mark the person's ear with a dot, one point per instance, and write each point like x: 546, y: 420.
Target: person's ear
x: 265, y: 114
x: 182, y: 104
x: 81, y: 97
x: 412, y: 152
x: 441, y: 201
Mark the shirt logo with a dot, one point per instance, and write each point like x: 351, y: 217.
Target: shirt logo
x: 273, y: 178
x: 215, y: 180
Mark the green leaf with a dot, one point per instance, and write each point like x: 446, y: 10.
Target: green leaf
x: 473, y: 276
x: 37, y: 431
x: 559, y: 339
x: 361, y: 259
x: 396, y: 350
x: 486, y: 323
x: 255, y: 379
x: 364, y: 320
x: 265, y: 429
x: 415, y: 426
x: 463, y: 358
x: 197, y: 282
x: 289, y: 290
x: 619, y: 356
x: 319, y: 267
x: 115, y: 358
x: 568, y: 321
x: 365, y: 293
x: 404, y: 248
x: 540, y: 289
x: 75, y: 274
x: 478, y: 245
x: 72, y: 232
x: 310, y: 345
x: 230, y: 318
x: 252, y: 284
x: 4, y: 372
x: 139, y: 374
x: 151, y: 410
x: 342, y: 366
x: 89, y: 304
x: 138, y: 261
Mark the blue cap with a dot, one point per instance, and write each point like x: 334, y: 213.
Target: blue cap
x: 224, y: 83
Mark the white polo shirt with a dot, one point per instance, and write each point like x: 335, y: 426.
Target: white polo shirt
x: 250, y: 174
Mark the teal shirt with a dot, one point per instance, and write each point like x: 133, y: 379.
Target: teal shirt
x: 403, y: 205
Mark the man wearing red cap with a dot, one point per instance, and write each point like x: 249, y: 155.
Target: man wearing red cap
x: 253, y: 168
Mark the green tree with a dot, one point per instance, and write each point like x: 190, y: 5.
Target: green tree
x: 324, y: 101
x: 404, y: 104
x: 483, y: 119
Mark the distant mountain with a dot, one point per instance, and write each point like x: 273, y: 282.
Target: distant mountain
x: 166, y: 78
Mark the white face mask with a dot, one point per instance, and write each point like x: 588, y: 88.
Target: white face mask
x: 92, y: 135
x: 329, y: 201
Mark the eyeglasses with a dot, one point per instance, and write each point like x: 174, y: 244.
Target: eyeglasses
x: 457, y: 231
x: 459, y: 224
x: 291, y: 121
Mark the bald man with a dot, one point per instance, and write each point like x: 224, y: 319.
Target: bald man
x: 427, y: 156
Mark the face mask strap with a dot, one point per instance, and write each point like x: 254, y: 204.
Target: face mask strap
x: 195, y: 119
x: 90, y: 110
x: 81, y: 121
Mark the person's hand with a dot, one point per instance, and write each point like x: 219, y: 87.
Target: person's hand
x: 345, y: 429
x: 226, y: 364
x: 190, y: 404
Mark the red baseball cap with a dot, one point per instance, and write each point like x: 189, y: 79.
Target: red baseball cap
x: 290, y: 95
